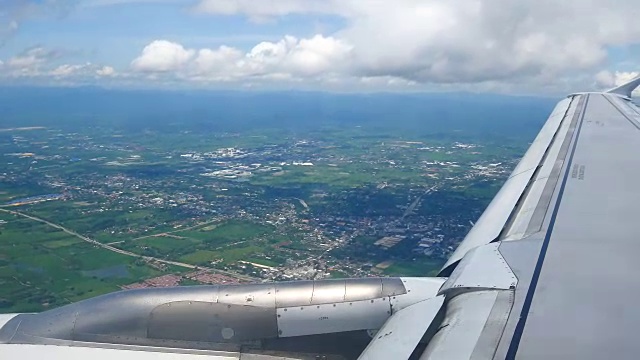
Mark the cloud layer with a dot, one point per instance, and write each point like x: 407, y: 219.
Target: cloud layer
x: 542, y: 45
x: 288, y: 59
x: 419, y: 42
x: 36, y: 63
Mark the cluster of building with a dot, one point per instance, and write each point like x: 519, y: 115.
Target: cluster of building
x: 160, y: 281
x: 169, y: 280
x: 207, y: 277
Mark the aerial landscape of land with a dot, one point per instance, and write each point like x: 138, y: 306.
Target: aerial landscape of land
x: 216, y: 192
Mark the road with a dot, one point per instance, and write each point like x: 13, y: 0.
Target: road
x: 124, y: 252
x: 176, y: 231
x: 415, y: 203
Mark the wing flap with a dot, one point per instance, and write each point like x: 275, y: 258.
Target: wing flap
x: 402, y: 332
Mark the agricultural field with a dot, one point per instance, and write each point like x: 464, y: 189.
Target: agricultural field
x: 45, y: 267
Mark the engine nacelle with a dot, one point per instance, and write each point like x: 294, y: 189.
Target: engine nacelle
x: 209, y: 316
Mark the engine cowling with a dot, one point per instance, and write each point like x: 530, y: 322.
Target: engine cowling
x: 217, y: 317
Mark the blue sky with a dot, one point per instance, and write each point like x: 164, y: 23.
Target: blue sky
x: 116, y: 33
x: 336, y: 45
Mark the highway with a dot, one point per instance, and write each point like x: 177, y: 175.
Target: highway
x: 415, y: 203
x: 176, y: 231
x: 124, y: 252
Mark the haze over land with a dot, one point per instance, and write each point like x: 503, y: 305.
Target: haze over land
x: 134, y: 189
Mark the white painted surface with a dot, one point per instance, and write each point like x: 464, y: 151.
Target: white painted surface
x: 482, y: 267
x: 418, y: 289
x: 54, y: 352
x: 4, y: 318
x: 402, y: 332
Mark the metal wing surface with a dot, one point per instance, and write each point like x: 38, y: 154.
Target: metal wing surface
x: 565, y: 226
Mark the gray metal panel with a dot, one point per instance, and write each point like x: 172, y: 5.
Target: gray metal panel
x: 628, y: 110
x: 294, y: 293
x: 494, y: 327
x: 521, y: 256
x: 583, y: 303
x: 125, y: 313
x: 330, y: 318
x: 391, y: 286
x: 212, y: 322
x: 482, y: 268
x: 417, y: 289
x: 464, y: 322
x: 328, y: 291
x: 495, y: 217
x: 213, y: 317
x: 401, y: 333
x: 367, y: 288
x: 301, y: 293
x: 528, y: 217
x: 573, y: 245
x: 263, y: 295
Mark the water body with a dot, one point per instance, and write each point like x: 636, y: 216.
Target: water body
x: 33, y: 199
x: 117, y: 271
x: 23, y: 266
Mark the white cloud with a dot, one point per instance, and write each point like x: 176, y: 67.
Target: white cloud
x: 82, y: 70
x: 41, y: 65
x: 609, y: 79
x: 31, y: 58
x: 298, y: 57
x: 264, y: 9
x: 503, y: 45
x: 472, y: 40
x: 464, y: 41
x: 162, y: 56
x: 219, y: 61
x: 30, y: 62
x: 317, y: 55
x: 106, y: 71
x: 68, y: 69
x: 288, y: 59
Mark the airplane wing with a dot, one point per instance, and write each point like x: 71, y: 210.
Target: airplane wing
x: 548, y: 271
x: 564, y: 229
